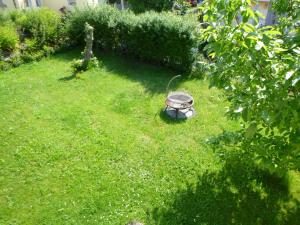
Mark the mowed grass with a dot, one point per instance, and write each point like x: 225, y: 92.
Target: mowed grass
x: 99, y: 150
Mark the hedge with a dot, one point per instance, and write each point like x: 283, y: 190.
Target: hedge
x: 160, y: 38
x: 42, y: 25
x: 139, y: 6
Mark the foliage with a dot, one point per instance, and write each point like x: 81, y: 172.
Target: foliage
x: 161, y: 38
x: 181, y: 7
x: 42, y: 32
x: 9, y: 37
x: 259, y: 69
x: 15, y: 15
x: 42, y: 25
x: 4, y: 17
x: 288, y: 7
x: 31, y: 51
x: 146, y: 5
x: 79, y: 66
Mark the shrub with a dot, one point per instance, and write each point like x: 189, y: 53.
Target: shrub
x: 8, y: 37
x: 4, y: 17
x: 4, y: 66
x: 78, y: 65
x: 15, y: 15
x: 42, y: 32
x: 16, y: 60
x: 42, y: 25
x: 31, y: 50
x: 161, y: 38
x: 145, y: 5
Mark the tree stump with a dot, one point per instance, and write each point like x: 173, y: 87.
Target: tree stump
x: 89, y: 38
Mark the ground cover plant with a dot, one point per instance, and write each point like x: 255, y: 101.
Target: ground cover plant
x: 99, y: 150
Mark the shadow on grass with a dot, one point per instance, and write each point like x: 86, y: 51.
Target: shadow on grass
x: 163, y: 115
x: 68, y: 55
x: 237, y: 194
x: 153, y: 78
x: 68, y: 78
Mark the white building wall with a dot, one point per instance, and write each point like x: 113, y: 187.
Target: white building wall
x: 9, y: 4
x: 53, y: 4
x: 58, y: 4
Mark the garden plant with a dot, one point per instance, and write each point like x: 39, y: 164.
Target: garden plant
x: 259, y: 70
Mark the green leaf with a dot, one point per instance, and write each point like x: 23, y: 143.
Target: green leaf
x: 251, y: 130
x: 259, y: 45
x: 295, y: 81
x: 272, y: 32
x: 289, y: 74
x: 297, y: 51
x: 277, y: 49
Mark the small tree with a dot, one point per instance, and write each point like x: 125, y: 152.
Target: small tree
x: 259, y: 70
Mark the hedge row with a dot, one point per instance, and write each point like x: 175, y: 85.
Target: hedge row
x: 160, y: 38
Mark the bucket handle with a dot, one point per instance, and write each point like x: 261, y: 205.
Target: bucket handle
x: 173, y: 78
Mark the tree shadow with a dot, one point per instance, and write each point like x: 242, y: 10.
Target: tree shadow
x: 239, y: 193
x: 68, y: 78
x: 153, y: 78
x: 68, y: 55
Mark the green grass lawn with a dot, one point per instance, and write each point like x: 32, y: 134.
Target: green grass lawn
x: 99, y: 150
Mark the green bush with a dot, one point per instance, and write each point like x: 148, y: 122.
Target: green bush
x: 15, y: 15
x: 4, y: 17
x: 31, y: 51
x: 161, y: 38
x: 41, y: 31
x: 16, y: 60
x: 42, y: 25
x: 4, y: 66
x: 145, y: 5
x: 78, y: 65
x: 8, y: 37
